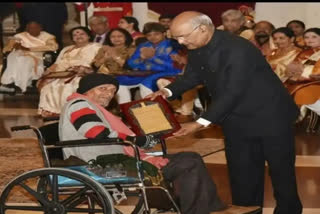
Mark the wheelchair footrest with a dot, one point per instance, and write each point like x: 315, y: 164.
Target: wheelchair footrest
x: 63, y: 181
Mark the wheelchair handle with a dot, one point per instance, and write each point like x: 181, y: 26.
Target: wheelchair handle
x: 20, y: 128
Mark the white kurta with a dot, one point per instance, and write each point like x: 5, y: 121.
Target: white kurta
x: 25, y: 66
x: 54, y: 95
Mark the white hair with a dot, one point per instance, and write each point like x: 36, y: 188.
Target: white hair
x: 233, y: 13
x: 100, y: 18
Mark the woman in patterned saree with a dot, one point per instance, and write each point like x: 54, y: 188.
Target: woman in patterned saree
x: 62, y: 78
x: 285, y: 52
x: 111, y: 58
x: 304, y: 72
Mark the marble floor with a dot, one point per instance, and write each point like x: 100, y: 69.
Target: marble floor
x: 21, y: 110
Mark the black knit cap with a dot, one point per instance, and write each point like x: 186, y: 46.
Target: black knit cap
x: 93, y: 80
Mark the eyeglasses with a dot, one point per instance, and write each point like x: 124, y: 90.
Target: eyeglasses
x: 185, y: 36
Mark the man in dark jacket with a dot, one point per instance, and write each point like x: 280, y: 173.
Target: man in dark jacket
x: 249, y: 102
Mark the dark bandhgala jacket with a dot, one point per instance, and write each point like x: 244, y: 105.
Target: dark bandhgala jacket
x: 247, y: 96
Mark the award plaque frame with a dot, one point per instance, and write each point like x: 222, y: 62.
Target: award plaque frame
x: 163, y: 123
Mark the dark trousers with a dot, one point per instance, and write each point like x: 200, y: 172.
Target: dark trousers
x: 192, y: 183
x: 246, y: 158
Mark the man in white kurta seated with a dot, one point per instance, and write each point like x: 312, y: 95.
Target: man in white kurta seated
x: 24, y: 63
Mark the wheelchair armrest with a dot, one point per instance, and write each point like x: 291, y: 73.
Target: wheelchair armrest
x: 49, y: 57
x: 72, y: 143
x: 95, y: 142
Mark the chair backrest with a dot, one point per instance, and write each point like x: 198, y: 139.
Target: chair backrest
x: 50, y: 135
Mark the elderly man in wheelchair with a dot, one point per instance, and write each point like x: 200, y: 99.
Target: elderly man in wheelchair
x: 84, y: 117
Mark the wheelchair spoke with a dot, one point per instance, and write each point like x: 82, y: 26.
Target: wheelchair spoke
x: 38, y: 196
x: 55, y: 189
x: 74, y: 196
x: 50, y: 198
x: 31, y: 208
x: 84, y: 210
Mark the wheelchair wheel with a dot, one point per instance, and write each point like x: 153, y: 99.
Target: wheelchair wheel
x: 42, y: 193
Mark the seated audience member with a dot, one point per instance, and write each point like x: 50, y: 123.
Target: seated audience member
x: 63, y: 76
x: 262, y: 37
x: 233, y: 21
x: 304, y: 72
x: 298, y: 28
x: 110, y: 9
x: 111, y: 57
x: 131, y: 24
x: 84, y: 116
x: 51, y: 15
x: 249, y: 15
x: 285, y: 52
x: 165, y: 20
x: 100, y: 27
x: 24, y: 62
x: 155, y: 56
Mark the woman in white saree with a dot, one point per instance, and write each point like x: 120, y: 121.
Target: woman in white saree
x: 62, y: 78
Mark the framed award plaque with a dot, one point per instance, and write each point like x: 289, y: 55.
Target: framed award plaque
x: 150, y: 117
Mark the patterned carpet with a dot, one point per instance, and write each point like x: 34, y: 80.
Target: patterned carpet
x: 18, y: 156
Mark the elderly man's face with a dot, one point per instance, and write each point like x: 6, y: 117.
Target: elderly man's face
x: 263, y: 28
x: 186, y: 34
x: 99, y: 27
x: 102, y: 94
x: 232, y: 24
x: 34, y: 29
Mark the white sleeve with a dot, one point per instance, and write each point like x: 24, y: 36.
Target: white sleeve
x: 203, y: 122
x: 169, y: 91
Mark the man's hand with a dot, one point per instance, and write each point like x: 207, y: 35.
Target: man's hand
x: 163, y: 93
x: 187, y: 128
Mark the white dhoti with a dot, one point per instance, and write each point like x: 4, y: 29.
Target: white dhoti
x: 54, y: 95
x: 22, y: 69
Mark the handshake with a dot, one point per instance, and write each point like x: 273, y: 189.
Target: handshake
x: 145, y: 142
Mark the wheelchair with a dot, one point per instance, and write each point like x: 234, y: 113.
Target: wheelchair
x: 48, y: 57
x: 76, y: 189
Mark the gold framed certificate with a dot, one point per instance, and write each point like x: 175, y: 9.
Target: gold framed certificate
x: 150, y: 117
